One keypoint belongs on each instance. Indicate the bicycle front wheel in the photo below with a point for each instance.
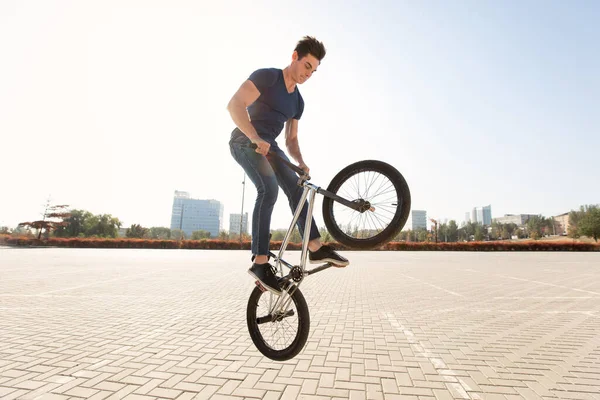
(279, 333)
(384, 188)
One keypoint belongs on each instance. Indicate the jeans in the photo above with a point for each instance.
(267, 175)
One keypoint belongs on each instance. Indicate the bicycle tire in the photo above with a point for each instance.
(400, 213)
(303, 326)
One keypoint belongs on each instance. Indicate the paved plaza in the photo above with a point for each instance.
(171, 324)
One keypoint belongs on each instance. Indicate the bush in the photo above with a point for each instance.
(217, 244)
(529, 245)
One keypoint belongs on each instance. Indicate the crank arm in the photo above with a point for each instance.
(270, 318)
(317, 269)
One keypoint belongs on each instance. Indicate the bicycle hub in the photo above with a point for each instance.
(363, 205)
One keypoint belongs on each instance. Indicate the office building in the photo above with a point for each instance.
(234, 224)
(487, 215)
(418, 219)
(480, 215)
(192, 215)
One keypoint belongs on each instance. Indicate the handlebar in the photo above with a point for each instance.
(359, 205)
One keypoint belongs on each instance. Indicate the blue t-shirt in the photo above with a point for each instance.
(275, 105)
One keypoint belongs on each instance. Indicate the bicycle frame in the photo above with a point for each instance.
(309, 192)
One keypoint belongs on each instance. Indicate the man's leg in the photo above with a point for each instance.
(261, 174)
(288, 180)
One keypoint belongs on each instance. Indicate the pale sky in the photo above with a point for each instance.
(110, 106)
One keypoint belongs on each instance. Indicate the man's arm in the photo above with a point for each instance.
(245, 96)
(291, 142)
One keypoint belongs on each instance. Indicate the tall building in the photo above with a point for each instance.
(234, 223)
(479, 212)
(481, 215)
(418, 219)
(191, 215)
(487, 215)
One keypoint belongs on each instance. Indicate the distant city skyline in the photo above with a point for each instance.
(423, 217)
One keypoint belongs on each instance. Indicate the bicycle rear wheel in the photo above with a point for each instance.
(386, 190)
(278, 334)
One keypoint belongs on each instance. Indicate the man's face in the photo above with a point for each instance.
(304, 68)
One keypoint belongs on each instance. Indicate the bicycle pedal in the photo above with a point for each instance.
(260, 286)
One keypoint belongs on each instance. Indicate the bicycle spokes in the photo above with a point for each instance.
(278, 327)
(379, 192)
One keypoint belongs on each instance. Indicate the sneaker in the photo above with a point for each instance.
(327, 254)
(265, 274)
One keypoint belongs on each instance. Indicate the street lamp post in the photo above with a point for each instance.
(242, 213)
(181, 220)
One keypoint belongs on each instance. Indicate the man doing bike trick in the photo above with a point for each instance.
(266, 103)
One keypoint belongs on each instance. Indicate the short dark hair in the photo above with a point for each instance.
(310, 45)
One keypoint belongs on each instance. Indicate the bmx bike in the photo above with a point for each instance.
(365, 205)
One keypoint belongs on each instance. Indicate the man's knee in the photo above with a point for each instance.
(268, 193)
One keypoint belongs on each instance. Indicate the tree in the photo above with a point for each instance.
(277, 235)
(136, 231)
(421, 234)
(75, 224)
(589, 222)
(574, 217)
(467, 231)
(295, 236)
(103, 225)
(510, 229)
(405, 235)
(48, 223)
(159, 233)
(535, 226)
(81, 223)
(551, 226)
(452, 231)
(479, 232)
(178, 234)
(325, 235)
(201, 234)
(21, 231)
(443, 233)
(402, 236)
(224, 235)
(470, 229)
(4, 230)
(497, 228)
